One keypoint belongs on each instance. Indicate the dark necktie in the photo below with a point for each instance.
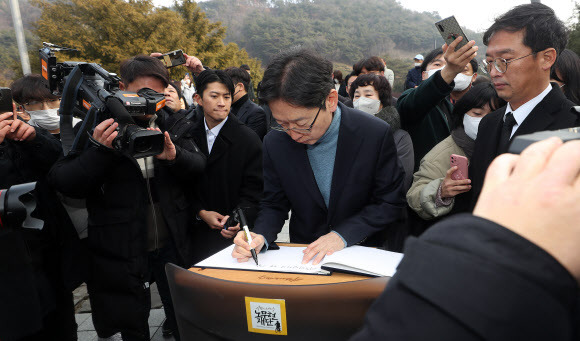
(506, 132)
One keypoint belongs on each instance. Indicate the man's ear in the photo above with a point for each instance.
(548, 58)
(332, 100)
(474, 77)
(198, 99)
(122, 86)
(242, 86)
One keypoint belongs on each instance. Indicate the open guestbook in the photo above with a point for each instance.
(356, 259)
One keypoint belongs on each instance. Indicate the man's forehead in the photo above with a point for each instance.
(505, 42)
(285, 111)
(217, 87)
(438, 59)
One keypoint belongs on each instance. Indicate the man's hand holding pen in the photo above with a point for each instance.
(242, 250)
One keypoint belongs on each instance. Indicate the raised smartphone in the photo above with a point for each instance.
(5, 100)
(462, 166)
(173, 58)
(450, 30)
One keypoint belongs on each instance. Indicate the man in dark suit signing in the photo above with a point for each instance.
(233, 173)
(335, 167)
(248, 112)
(523, 44)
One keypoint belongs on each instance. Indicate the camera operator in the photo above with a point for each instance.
(36, 287)
(139, 212)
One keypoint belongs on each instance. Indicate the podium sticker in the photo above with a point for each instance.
(266, 316)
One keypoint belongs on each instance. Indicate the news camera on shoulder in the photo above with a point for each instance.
(94, 95)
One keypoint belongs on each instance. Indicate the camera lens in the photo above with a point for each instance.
(142, 145)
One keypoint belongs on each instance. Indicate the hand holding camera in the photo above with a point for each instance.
(105, 132)
(175, 58)
(169, 152)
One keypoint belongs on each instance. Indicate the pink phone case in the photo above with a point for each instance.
(462, 166)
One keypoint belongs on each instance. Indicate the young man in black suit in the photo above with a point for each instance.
(245, 110)
(523, 44)
(335, 167)
(233, 174)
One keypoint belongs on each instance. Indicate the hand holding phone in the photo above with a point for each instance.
(450, 30)
(455, 181)
(462, 167)
(173, 58)
(6, 100)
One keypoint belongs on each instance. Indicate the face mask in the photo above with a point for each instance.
(417, 64)
(432, 72)
(470, 125)
(47, 119)
(368, 105)
(461, 82)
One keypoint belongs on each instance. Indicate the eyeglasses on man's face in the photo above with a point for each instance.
(501, 64)
(298, 129)
(53, 103)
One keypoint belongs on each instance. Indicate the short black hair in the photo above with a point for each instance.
(211, 76)
(568, 66)
(32, 87)
(381, 85)
(298, 76)
(177, 86)
(373, 63)
(481, 79)
(431, 56)
(245, 67)
(143, 66)
(239, 75)
(357, 67)
(542, 29)
(474, 65)
(347, 77)
(477, 97)
(337, 75)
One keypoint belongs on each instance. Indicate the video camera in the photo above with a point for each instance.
(522, 142)
(17, 205)
(91, 93)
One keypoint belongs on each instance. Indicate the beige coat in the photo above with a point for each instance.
(426, 181)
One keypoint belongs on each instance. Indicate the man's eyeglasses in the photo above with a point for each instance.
(283, 126)
(38, 105)
(501, 64)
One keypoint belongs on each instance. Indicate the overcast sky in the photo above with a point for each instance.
(473, 14)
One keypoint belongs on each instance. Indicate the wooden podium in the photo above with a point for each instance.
(214, 304)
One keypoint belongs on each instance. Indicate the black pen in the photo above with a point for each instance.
(244, 224)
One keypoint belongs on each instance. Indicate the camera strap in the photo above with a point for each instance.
(67, 134)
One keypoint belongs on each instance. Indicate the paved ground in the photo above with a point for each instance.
(86, 331)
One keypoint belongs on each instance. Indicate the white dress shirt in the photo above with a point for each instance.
(522, 112)
(212, 133)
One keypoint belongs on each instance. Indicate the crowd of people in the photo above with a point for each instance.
(352, 164)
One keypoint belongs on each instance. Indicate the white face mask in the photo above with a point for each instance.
(417, 64)
(47, 119)
(461, 82)
(368, 105)
(470, 125)
(432, 72)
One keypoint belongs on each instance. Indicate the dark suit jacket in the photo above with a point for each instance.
(468, 278)
(254, 117)
(232, 178)
(366, 191)
(553, 112)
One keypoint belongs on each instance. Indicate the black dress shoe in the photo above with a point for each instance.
(166, 328)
